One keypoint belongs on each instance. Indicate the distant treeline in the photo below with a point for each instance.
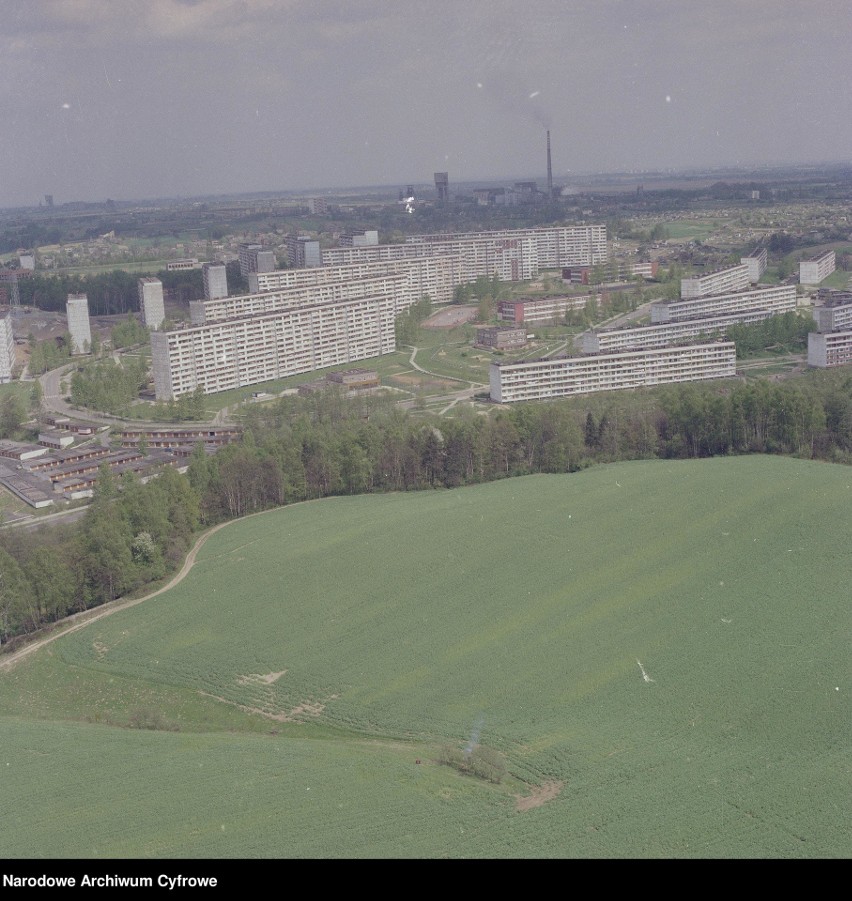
(109, 293)
(296, 449)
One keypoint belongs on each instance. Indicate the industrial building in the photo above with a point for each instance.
(215, 276)
(607, 340)
(826, 349)
(7, 348)
(545, 379)
(151, 302)
(232, 353)
(734, 278)
(540, 309)
(436, 277)
(555, 247)
(756, 262)
(772, 298)
(815, 270)
(77, 309)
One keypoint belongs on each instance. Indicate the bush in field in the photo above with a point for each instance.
(482, 762)
(151, 719)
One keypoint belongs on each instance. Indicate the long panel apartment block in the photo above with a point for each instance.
(557, 246)
(773, 298)
(233, 353)
(545, 379)
(436, 276)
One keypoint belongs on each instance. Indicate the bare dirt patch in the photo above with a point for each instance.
(296, 714)
(257, 679)
(424, 381)
(538, 796)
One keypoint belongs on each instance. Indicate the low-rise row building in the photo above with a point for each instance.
(168, 437)
(562, 377)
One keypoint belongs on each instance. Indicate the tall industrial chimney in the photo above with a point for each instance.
(549, 170)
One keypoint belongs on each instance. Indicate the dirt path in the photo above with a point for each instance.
(87, 617)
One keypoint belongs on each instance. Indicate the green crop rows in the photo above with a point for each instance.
(665, 641)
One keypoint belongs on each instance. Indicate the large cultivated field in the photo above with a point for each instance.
(658, 650)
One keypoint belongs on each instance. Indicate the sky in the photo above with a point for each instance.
(153, 98)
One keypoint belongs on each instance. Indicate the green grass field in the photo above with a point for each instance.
(315, 652)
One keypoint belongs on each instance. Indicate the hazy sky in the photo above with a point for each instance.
(145, 98)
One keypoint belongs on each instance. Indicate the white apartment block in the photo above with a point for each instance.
(812, 272)
(773, 298)
(756, 262)
(391, 287)
(359, 239)
(7, 348)
(719, 282)
(215, 276)
(830, 348)
(545, 379)
(77, 308)
(541, 309)
(435, 276)
(303, 251)
(569, 245)
(253, 258)
(608, 340)
(835, 316)
(234, 353)
(151, 302)
(510, 259)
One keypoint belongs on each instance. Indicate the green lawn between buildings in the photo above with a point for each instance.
(387, 626)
